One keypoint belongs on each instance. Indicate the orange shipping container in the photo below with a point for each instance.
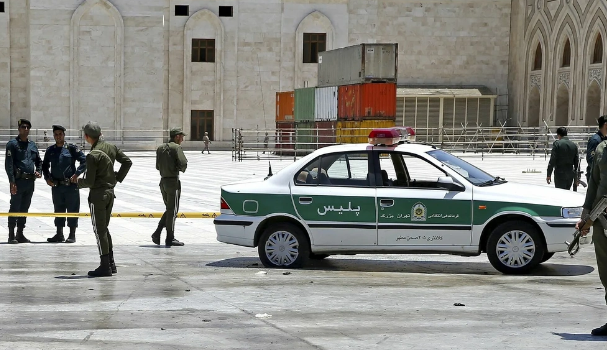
(285, 106)
(367, 101)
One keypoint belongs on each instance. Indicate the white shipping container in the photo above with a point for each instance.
(325, 104)
(358, 64)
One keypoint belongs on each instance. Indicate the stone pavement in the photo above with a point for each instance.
(215, 296)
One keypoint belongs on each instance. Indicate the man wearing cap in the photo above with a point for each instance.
(594, 141)
(23, 166)
(58, 167)
(101, 179)
(170, 160)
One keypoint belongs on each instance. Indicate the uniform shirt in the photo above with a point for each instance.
(206, 139)
(21, 155)
(564, 157)
(170, 160)
(62, 162)
(100, 166)
(593, 142)
(597, 184)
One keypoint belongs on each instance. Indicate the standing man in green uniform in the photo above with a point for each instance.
(23, 166)
(101, 179)
(170, 160)
(597, 188)
(564, 161)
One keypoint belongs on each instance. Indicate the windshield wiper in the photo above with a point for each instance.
(496, 180)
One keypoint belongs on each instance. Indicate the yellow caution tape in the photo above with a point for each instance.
(192, 215)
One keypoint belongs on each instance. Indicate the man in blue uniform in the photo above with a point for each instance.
(23, 166)
(594, 141)
(61, 159)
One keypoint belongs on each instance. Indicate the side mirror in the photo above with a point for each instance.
(448, 183)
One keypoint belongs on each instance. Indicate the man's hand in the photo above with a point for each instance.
(38, 175)
(50, 182)
(548, 180)
(581, 224)
(13, 188)
(74, 179)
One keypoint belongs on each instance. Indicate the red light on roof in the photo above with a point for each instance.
(386, 137)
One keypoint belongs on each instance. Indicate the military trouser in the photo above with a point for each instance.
(101, 202)
(20, 202)
(66, 199)
(171, 191)
(563, 180)
(600, 248)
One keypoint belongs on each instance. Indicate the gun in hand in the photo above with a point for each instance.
(584, 226)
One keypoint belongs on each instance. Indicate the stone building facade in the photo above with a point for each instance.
(558, 64)
(136, 64)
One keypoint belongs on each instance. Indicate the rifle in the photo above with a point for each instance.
(597, 213)
(578, 176)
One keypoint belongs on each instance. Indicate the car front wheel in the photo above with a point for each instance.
(515, 248)
(283, 245)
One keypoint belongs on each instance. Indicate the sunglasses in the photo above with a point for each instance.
(25, 127)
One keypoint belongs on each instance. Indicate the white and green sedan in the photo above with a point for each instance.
(404, 198)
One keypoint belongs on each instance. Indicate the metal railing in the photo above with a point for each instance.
(251, 144)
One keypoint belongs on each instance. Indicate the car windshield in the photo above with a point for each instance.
(473, 174)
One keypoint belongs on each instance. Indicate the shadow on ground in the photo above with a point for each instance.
(580, 337)
(426, 267)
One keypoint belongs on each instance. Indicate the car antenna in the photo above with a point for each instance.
(270, 171)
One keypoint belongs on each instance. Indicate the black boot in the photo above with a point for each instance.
(20, 237)
(58, 237)
(104, 269)
(72, 236)
(156, 234)
(112, 263)
(173, 242)
(11, 235)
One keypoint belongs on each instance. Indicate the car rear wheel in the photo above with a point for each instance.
(283, 245)
(515, 248)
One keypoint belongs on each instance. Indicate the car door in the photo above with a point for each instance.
(335, 196)
(414, 210)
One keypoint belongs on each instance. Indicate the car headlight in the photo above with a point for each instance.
(572, 212)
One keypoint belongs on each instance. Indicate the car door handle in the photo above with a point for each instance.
(386, 203)
(305, 200)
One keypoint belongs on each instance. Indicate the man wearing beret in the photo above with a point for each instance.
(170, 160)
(101, 179)
(58, 167)
(23, 166)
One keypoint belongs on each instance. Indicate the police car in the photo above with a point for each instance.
(393, 196)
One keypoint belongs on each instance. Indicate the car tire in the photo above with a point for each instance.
(318, 256)
(274, 244)
(547, 256)
(515, 248)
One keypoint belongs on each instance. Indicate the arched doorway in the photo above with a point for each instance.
(533, 111)
(593, 104)
(562, 106)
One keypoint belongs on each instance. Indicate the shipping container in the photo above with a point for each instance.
(325, 133)
(304, 104)
(325, 104)
(367, 101)
(358, 131)
(285, 135)
(358, 64)
(306, 135)
(285, 106)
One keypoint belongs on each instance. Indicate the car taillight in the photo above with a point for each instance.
(224, 204)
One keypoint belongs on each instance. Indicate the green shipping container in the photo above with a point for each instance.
(305, 135)
(305, 104)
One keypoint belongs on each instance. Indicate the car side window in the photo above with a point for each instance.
(308, 175)
(349, 169)
(421, 173)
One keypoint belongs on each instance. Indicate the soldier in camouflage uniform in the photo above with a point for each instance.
(101, 179)
(170, 160)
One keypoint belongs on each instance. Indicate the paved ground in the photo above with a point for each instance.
(215, 296)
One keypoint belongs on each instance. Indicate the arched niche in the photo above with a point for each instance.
(95, 50)
(315, 22)
(593, 103)
(562, 106)
(534, 108)
(204, 24)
